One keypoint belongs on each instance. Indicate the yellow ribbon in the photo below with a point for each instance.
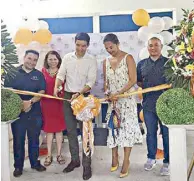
(81, 103)
(88, 138)
(151, 89)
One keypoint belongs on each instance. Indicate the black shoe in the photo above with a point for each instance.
(39, 167)
(87, 173)
(142, 131)
(141, 128)
(17, 172)
(71, 166)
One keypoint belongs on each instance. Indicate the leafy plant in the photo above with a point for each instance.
(8, 54)
(175, 106)
(178, 69)
(11, 104)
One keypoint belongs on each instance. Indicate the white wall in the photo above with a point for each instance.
(66, 7)
(13, 10)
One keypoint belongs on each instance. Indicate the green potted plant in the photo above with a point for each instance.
(175, 107)
(11, 103)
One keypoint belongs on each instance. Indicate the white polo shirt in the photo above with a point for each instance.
(77, 72)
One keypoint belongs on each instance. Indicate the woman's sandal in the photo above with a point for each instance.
(48, 161)
(60, 159)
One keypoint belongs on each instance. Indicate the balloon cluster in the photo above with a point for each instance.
(150, 26)
(33, 30)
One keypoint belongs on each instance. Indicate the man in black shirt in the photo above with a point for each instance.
(30, 120)
(150, 73)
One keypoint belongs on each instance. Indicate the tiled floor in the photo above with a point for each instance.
(101, 164)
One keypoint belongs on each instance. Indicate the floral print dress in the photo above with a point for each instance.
(129, 132)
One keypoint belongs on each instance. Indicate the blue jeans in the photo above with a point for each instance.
(151, 122)
(19, 129)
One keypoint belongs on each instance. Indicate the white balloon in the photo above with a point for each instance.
(167, 36)
(46, 47)
(143, 33)
(33, 24)
(156, 35)
(20, 46)
(43, 25)
(165, 50)
(156, 24)
(168, 22)
(34, 46)
(143, 53)
(21, 50)
(23, 25)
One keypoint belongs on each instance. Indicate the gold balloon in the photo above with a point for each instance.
(141, 17)
(141, 115)
(23, 36)
(42, 36)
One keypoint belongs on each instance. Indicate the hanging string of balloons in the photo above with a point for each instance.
(155, 25)
(33, 30)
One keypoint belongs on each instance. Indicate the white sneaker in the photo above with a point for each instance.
(164, 171)
(150, 164)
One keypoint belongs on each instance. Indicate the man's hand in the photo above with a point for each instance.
(26, 106)
(57, 91)
(74, 96)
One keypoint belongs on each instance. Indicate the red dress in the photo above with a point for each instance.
(52, 110)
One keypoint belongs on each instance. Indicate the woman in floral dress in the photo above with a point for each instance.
(120, 77)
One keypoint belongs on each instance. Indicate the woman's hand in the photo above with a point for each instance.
(113, 97)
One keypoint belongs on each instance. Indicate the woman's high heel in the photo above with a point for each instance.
(122, 175)
(112, 169)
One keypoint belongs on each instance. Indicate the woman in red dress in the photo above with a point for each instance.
(52, 110)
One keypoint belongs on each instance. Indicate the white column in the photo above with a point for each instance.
(96, 24)
(5, 164)
(178, 154)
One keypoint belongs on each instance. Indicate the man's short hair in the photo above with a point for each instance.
(32, 51)
(156, 37)
(83, 36)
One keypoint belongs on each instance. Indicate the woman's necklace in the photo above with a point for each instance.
(52, 73)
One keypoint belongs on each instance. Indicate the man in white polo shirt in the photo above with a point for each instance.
(78, 70)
